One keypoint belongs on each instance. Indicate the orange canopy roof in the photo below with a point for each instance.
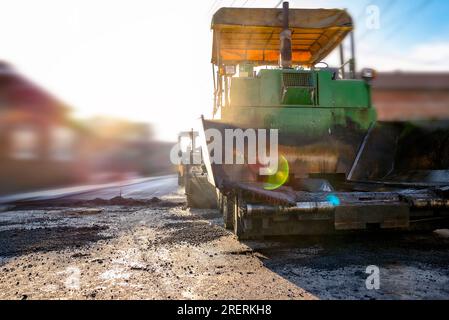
(252, 34)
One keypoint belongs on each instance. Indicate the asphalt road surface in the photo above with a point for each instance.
(141, 188)
(163, 250)
(147, 189)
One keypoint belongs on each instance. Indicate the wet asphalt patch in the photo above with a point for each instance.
(189, 232)
(23, 241)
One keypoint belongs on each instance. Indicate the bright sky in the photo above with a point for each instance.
(150, 60)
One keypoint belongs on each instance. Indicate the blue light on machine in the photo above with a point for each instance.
(333, 199)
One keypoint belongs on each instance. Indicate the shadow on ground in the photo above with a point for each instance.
(411, 265)
(335, 267)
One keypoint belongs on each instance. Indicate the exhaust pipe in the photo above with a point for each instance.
(286, 40)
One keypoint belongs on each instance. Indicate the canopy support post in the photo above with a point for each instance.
(286, 39)
(352, 64)
(342, 61)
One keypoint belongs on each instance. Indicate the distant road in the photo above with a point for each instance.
(144, 188)
(155, 187)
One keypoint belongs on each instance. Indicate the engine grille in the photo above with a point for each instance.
(297, 80)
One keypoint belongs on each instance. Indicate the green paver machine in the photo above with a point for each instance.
(338, 168)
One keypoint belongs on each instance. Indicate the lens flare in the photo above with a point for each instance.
(278, 179)
(333, 199)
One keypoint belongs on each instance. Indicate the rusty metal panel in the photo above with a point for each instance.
(387, 216)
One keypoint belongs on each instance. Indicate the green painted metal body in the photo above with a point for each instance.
(323, 103)
(321, 121)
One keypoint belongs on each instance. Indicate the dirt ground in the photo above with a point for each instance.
(162, 250)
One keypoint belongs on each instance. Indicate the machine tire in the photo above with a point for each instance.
(181, 181)
(228, 212)
(220, 202)
(239, 211)
(191, 203)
